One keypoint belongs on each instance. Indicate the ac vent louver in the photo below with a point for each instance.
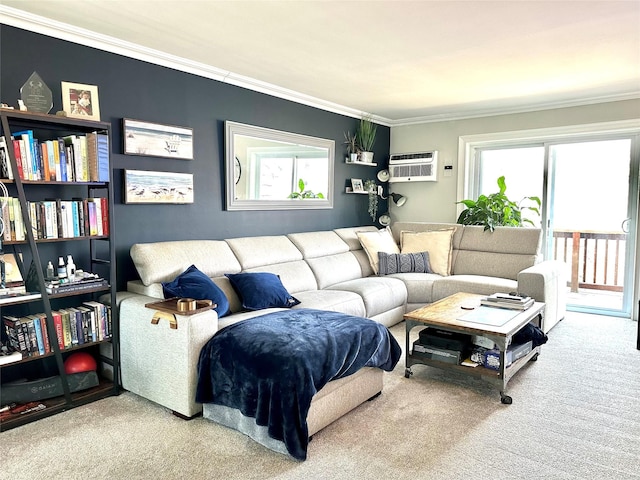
(413, 167)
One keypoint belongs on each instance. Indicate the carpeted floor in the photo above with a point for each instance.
(575, 415)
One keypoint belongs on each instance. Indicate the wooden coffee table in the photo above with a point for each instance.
(446, 315)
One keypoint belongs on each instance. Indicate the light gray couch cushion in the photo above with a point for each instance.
(333, 300)
(334, 269)
(277, 255)
(295, 276)
(163, 261)
(379, 294)
(501, 265)
(318, 244)
(350, 235)
(419, 286)
(478, 284)
(259, 251)
(501, 253)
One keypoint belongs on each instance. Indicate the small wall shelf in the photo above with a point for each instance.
(350, 190)
(368, 164)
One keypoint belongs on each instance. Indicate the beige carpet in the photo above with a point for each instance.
(575, 415)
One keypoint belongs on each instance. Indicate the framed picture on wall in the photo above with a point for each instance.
(80, 101)
(142, 186)
(156, 140)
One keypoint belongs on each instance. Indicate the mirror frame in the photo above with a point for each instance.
(234, 128)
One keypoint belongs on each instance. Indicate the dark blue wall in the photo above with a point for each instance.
(129, 88)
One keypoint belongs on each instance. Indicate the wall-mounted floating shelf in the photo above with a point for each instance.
(350, 190)
(368, 164)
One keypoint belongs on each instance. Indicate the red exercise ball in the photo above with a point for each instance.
(80, 362)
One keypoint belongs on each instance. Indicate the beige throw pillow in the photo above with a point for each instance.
(379, 241)
(439, 244)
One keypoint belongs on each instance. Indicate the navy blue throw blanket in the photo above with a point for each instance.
(270, 367)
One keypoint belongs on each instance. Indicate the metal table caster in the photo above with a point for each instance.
(505, 399)
(407, 372)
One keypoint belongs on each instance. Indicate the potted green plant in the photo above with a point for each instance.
(366, 137)
(302, 193)
(497, 210)
(372, 190)
(351, 141)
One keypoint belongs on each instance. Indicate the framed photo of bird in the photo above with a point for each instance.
(141, 186)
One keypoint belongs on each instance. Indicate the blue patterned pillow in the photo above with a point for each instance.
(192, 283)
(403, 263)
(259, 290)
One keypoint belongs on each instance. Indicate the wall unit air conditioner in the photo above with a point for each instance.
(413, 167)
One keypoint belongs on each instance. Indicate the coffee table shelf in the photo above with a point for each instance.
(445, 315)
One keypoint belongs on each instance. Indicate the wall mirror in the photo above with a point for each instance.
(273, 170)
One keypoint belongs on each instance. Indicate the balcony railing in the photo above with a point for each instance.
(595, 259)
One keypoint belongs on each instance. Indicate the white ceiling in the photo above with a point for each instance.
(402, 61)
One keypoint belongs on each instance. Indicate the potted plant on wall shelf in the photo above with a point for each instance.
(351, 141)
(496, 210)
(366, 136)
(372, 190)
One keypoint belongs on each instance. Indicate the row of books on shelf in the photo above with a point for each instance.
(506, 300)
(86, 323)
(57, 218)
(73, 158)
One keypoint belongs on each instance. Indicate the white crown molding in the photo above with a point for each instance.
(26, 21)
(52, 28)
(491, 112)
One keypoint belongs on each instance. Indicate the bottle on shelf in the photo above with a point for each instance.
(71, 269)
(50, 272)
(62, 269)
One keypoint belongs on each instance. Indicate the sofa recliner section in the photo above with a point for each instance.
(325, 270)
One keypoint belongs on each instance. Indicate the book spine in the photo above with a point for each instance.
(39, 337)
(79, 327)
(74, 326)
(7, 171)
(103, 157)
(50, 165)
(93, 219)
(45, 333)
(39, 168)
(62, 153)
(57, 323)
(7, 223)
(104, 208)
(19, 222)
(31, 335)
(98, 209)
(14, 332)
(17, 153)
(66, 328)
(75, 218)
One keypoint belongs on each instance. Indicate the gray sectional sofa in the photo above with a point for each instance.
(324, 270)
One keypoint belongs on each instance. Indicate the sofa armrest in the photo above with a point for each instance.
(546, 282)
(158, 362)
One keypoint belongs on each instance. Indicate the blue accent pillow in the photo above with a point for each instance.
(192, 283)
(259, 290)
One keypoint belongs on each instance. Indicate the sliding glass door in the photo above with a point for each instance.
(589, 190)
(589, 221)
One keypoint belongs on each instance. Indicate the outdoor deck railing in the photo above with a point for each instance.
(595, 259)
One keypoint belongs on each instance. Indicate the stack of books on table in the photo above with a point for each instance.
(505, 300)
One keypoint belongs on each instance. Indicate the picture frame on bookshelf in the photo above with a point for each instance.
(141, 186)
(157, 140)
(80, 101)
